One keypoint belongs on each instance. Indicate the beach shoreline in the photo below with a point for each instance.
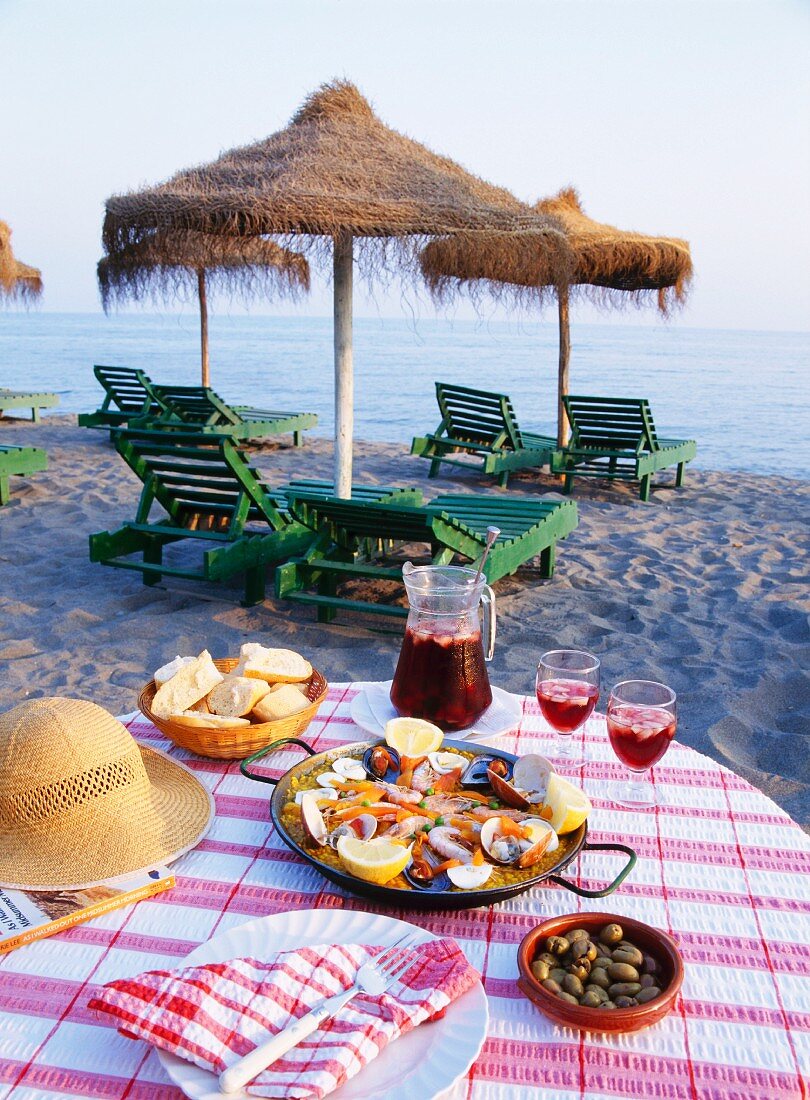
(704, 587)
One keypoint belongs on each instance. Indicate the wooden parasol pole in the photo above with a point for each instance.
(206, 374)
(565, 357)
(344, 370)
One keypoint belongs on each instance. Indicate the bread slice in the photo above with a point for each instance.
(275, 666)
(208, 721)
(280, 703)
(166, 672)
(236, 696)
(187, 687)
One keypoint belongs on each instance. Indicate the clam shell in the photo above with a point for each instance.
(349, 768)
(531, 775)
(543, 838)
(312, 820)
(490, 832)
(506, 792)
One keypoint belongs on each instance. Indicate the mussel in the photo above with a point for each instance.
(507, 843)
(477, 773)
(382, 763)
(419, 873)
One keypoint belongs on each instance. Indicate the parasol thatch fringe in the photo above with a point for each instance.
(615, 267)
(166, 265)
(608, 266)
(335, 168)
(18, 281)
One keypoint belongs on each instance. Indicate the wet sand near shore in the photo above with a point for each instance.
(704, 587)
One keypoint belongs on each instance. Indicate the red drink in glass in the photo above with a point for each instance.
(441, 677)
(640, 735)
(566, 704)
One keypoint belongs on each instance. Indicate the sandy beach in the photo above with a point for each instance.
(704, 588)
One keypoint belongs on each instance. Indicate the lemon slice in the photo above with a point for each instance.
(569, 805)
(412, 736)
(377, 860)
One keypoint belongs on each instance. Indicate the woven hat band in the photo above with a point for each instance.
(52, 799)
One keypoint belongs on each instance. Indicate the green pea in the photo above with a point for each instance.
(494, 804)
(366, 803)
(430, 791)
(422, 804)
(439, 820)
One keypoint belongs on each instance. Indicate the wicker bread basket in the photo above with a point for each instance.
(241, 741)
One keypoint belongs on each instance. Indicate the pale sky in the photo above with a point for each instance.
(687, 118)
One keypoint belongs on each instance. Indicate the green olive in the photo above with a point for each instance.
(576, 934)
(540, 970)
(648, 994)
(602, 960)
(551, 985)
(611, 934)
(581, 969)
(623, 972)
(557, 973)
(625, 1002)
(591, 1000)
(608, 1004)
(650, 965)
(571, 984)
(556, 945)
(626, 953)
(624, 989)
(584, 948)
(596, 991)
(599, 977)
(563, 996)
(547, 957)
(646, 980)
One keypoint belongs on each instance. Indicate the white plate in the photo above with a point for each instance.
(420, 1065)
(372, 708)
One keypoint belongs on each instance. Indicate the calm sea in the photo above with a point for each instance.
(742, 395)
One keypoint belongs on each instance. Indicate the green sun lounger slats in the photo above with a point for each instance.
(615, 438)
(200, 408)
(127, 396)
(352, 537)
(17, 462)
(481, 423)
(207, 491)
(25, 399)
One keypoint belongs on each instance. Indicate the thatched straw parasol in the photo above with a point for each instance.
(18, 281)
(167, 264)
(610, 266)
(335, 173)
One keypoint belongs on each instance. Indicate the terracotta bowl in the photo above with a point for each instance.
(649, 940)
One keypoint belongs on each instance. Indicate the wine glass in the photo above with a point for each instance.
(641, 721)
(567, 688)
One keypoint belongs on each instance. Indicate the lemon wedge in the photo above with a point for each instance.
(569, 805)
(377, 860)
(412, 736)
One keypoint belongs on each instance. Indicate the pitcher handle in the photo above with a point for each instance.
(489, 622)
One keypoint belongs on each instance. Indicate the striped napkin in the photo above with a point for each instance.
(213, 1015)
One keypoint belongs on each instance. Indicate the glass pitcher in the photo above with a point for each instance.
(441, 674)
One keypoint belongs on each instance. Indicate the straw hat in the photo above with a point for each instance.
(81, 801)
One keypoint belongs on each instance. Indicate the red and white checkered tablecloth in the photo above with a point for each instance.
(720, 866)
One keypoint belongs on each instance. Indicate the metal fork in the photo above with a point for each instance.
(373, 977)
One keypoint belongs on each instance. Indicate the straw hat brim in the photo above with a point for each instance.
(173, 820)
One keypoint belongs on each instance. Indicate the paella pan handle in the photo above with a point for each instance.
(274, 746)
(618, 880)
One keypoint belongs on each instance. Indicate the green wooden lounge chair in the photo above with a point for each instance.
(615, 438)
(200, 408)
(19, 460)
(209, 493)
(22, 399)
(482, 424)
(451, 524)
(127, 396)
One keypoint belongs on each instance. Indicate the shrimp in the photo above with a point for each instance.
(483, 813)
(448, 843)
(445, 804)
(406, 827)
(402, 796)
